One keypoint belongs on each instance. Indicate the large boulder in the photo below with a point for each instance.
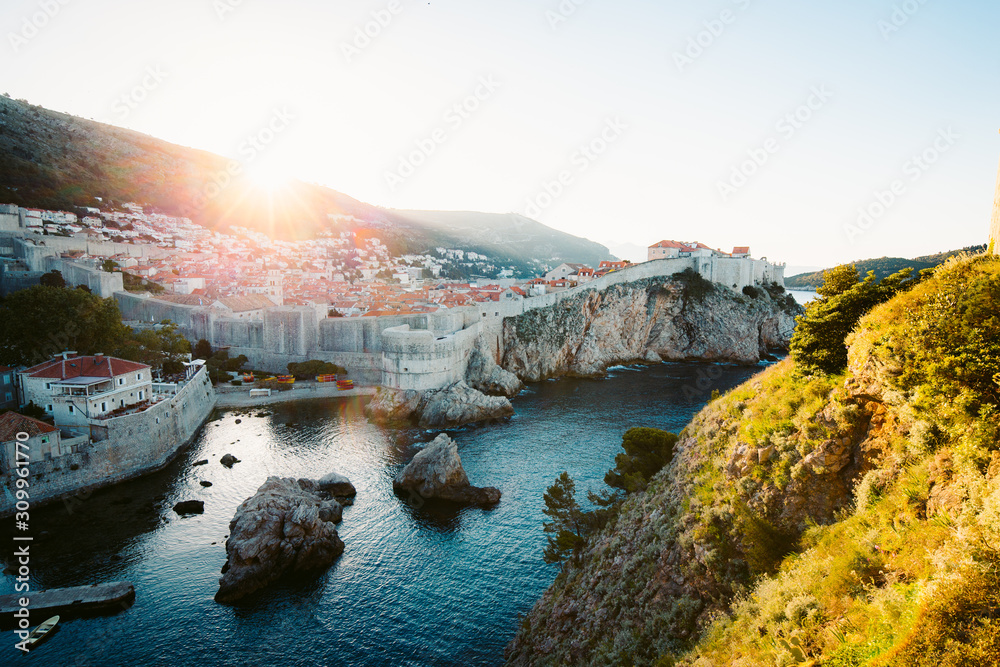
(460, 404)
(336, 485)
(456, 405)
(392, 406)
(436, 472)
(286, 527)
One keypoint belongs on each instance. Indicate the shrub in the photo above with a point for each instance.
(647, 450)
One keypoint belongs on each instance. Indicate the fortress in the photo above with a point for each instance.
(428, 351)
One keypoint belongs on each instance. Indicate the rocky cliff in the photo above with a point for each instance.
(678, 318)
(836, 520)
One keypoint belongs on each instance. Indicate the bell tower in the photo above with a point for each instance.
(276, 287)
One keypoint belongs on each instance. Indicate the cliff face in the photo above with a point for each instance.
(842, 520)
(671, 319)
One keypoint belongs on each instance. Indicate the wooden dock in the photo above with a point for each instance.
(70, 602)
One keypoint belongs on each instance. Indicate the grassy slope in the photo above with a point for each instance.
(881, 486)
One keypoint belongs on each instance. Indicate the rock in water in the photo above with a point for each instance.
(461, 404)
(286, 527)
(453, 406)
(336, 484)
(229, 460)
(190, 507)
(436, 472)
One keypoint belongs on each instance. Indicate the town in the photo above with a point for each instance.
(347, 274)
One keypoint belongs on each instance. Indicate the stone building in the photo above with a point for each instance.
(74, 390)
(42, 440)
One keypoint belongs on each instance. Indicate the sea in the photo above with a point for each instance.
(429, 585)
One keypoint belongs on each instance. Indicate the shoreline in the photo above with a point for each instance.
(241, 399)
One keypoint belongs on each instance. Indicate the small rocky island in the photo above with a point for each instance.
(436, 472)
(287, 527)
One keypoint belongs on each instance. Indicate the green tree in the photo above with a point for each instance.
(568, 523)
(202, 349)
(109, 265)
(647, 450)
(41, 321)
(818, 345)
(838, 280)
(52, 279)
(158, 347)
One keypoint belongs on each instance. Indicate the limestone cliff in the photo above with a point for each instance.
(806, 520)
(678, 318)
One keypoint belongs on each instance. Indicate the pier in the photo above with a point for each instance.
(69, 602)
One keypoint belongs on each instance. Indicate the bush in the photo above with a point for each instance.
(696, 288)
(307, 370)
(647, 450)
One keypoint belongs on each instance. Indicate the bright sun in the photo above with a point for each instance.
(267, 175)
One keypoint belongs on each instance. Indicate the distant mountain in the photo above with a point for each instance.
(58, 161)
(883, 266)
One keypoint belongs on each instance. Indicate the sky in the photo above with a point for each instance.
(814, 132)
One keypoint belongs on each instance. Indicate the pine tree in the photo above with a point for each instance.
(567, 523)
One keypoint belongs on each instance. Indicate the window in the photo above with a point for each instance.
(48, 408)
(104, 406)
(9, 397)
(140, 395)
(138, 376)
(121, 381)
(48, 385)
(72, 409)
(45, 440)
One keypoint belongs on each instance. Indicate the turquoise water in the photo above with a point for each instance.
(434, 585)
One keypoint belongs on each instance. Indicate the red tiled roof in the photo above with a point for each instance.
(741, 250)
(12, 423)
(64, 369)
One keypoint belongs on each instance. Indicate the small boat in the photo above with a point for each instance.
(41, 632)
(326, 378)
(345, 384)
(248, 378)
(286, 379)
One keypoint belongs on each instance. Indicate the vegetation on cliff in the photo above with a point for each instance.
(814, 518)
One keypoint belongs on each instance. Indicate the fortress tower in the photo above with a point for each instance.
(995, 224)
(276, 287)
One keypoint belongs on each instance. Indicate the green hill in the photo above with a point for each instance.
(57, 161)
(841, 520)
(883, 266)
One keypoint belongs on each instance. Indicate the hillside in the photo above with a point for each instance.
(882, 266)
(842, 520)
(54, 160)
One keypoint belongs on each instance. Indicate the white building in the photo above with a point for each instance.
(564, 271)
(74, 389)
